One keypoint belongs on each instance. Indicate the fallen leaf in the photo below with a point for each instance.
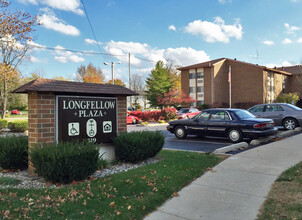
(129, 207)
(84, 203)
(175, 194)
(111, 204)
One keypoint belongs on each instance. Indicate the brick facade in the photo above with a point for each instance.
(122, 114)
(41, 118)
(249, 82)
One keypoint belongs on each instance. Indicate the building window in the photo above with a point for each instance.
(199, 75)
(192, 89)
(200, 95)
(270, 87)
(192, 76)
(200, 81)
(200, 89)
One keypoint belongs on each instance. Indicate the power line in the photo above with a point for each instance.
(93, 33)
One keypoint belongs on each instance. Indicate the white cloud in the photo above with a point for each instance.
(36, 46)
(299, 40)
(34, 59)
(143, 54)
(144, 57)
(91, 41)
(224, 1)
(50, 21)
(64, 56)
(283, 63)
(172, 27)
(287, 41)
(215, 31)
(185, 56)
(268, 42)
(291, 29)
(66, 5)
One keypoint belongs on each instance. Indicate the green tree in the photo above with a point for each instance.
(159, 82)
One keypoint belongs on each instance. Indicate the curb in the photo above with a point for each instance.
(150, 125)
(231, 147)
(286, 133)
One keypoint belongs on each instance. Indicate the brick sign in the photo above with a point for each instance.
(86, 118)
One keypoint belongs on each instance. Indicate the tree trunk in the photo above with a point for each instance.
(4, 98)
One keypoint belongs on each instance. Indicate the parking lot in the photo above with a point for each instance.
(191, 143)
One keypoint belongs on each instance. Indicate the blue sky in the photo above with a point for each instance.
(186, 32)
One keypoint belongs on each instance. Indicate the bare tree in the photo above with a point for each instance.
(15, 34)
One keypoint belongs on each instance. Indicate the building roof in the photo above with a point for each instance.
(59, 86)
(202, 65)
(213, 62)
(291, 69)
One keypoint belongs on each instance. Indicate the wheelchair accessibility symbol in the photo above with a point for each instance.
(91, 128)
(73, 129)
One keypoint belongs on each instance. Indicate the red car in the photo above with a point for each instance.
(132, 119)
(187, 113)
(15, 112)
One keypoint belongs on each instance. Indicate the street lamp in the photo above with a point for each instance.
(112, 66)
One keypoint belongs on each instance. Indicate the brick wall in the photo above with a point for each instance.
(122, 114)
(247, 83)
(207, 85)
(221, 85)
(41, 118)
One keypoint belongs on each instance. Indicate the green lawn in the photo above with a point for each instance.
(12, 118)
(126, 195)
(285, 198)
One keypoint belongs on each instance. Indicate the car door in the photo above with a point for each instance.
(199, 123)
(275, 112)
(218, 123)
(258, 111)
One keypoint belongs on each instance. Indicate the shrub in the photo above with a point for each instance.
(138, 145)
(18, 126)
(169, 114)
(291, 98)
(204, 106)
(13, 152)
(65, 162)
(3, 124)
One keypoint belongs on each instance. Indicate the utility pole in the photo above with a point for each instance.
(130, 98)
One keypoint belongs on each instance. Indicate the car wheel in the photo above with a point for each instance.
(134, 121)
(180, 132)
(235, 135)
(290, 123)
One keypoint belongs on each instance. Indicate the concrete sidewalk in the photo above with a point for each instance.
(239, 186)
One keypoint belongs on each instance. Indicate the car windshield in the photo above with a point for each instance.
(183, 110)
(293, 107)
(243, 114)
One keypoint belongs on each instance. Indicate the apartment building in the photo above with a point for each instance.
(224, 81)
(293, 83)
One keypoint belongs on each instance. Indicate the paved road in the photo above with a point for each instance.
(191, 143)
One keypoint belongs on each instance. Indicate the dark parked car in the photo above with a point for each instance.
(283, 114)
(235, 124)
(187, 113)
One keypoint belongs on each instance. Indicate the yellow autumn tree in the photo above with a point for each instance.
(16, 28)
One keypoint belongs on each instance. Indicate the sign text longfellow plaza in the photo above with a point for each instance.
(86, 118)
